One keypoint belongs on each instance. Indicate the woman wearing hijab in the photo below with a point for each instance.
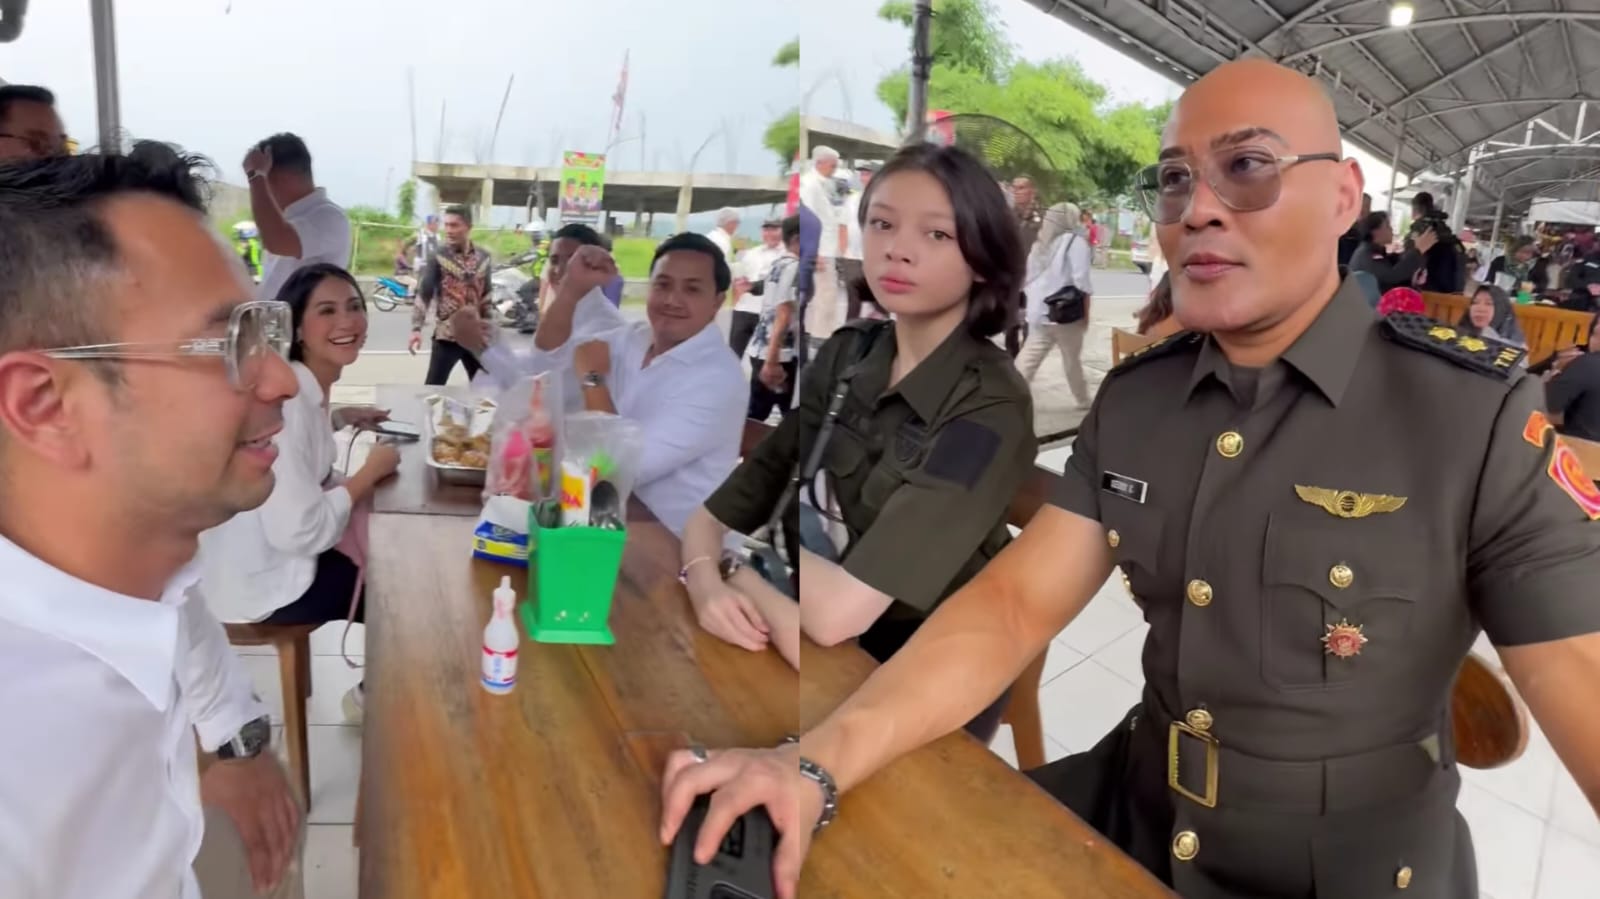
(1490, 314)
(1060, 258)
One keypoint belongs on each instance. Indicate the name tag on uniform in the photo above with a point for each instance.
(1124, 486)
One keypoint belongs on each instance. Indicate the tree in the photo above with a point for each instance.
(783, 135)
(1096, 148)
(408, 200)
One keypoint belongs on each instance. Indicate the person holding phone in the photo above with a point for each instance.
(281, 563)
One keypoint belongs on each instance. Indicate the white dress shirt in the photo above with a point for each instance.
(754, 264)
(504, 364)
(852, 225)
(1066, 261)
(724, 242)
(324, 232)
(99, 790)
(816, 194)
(689, 402)
(262, 560)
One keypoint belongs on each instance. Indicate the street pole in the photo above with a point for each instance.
(107, 101)
(921, 68)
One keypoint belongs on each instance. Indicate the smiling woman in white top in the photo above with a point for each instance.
(278, 564)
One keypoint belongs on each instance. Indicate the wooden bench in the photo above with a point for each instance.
(1548, 329)
(293, 643)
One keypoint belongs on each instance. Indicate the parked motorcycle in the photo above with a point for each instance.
(515, 297)
(392, 293)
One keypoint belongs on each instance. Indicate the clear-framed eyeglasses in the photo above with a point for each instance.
(257, 331)
(1245, 178)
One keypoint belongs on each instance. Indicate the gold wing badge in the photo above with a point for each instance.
(1347, 503)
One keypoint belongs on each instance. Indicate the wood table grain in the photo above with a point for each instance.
(553, 791)
(416, 488)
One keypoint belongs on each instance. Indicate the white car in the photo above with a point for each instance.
(1140, 251)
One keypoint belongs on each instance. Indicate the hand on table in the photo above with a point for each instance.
(383, 460)
(738, 781)
(255, 795)
(363, 418)
(727, 614)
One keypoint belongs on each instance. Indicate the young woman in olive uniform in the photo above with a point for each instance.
(935, 431)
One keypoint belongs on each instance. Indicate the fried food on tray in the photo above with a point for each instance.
(446, 452)
(475, 459)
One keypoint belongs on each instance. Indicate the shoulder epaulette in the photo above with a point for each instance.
(1166, 346)
(1484, 355)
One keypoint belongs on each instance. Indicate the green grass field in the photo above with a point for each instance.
(376, 245)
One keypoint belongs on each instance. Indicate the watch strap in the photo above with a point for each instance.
(830, 791)
(249, 742)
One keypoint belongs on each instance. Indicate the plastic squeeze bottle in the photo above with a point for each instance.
(500, 640)
(542, 443)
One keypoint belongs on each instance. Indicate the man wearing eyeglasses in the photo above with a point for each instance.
(1317, 512)
(29, 125)
(140, 391)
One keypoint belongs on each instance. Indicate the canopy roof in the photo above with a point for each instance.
(1509, 80)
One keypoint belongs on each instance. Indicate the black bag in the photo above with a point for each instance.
(1066, 306)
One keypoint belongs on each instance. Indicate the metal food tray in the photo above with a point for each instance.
(465, 475)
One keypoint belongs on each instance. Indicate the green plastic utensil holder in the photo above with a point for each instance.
(572, 576)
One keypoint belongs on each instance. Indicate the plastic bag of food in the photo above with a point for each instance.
(461, 428)
(599, 467)
(525, 439)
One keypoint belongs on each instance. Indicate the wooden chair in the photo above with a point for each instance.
(293, 643)
(1022, 706)
(1551, 328)
(1444, 307)
(1123, 343)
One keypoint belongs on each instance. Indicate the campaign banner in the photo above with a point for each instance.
(583, 182)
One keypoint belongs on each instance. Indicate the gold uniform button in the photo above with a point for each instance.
(1199, 593)
(1341, 576)
(1199, 719)
(1185, 846)
(1230, 444)
(1402, 878)
(1113, 538)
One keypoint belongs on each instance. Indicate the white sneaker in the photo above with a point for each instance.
(355, 700)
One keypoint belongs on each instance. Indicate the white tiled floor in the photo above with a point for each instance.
(1536, 835)
(331, 861)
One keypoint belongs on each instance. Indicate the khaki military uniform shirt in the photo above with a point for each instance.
(1316, 544)
(923, 472)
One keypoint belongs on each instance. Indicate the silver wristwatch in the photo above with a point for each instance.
(830, 791)
(249, 741)
(594, 379)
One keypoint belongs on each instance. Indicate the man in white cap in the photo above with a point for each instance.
(820, 193)
(722, 234)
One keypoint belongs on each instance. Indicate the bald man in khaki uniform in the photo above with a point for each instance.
(1318, 513)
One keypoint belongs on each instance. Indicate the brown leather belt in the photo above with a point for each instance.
(1203, 770)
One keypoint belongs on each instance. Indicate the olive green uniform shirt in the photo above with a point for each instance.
(923, 472)
(1316, 544)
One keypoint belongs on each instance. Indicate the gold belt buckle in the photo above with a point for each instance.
(1174, 737)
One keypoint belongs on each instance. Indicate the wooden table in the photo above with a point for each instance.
(553, 791)
(416, 488)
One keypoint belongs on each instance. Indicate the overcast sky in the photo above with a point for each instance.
(215, 76)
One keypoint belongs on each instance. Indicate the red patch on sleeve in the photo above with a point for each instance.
(1567, 472)
(1537, 427)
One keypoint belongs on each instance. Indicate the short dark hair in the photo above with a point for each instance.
(1423, 200)
(579, 232)
(289, 153)
(1371, 224)
(460, 210)
(697, 243)
(23, 93)
(986, 230)
(297, 293)
(791, 228)
(55, 248)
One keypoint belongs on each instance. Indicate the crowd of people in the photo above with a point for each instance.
(166, 435)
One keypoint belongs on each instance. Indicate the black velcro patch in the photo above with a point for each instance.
(1484, 355)
(963, 451)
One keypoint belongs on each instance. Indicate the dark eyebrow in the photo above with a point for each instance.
(1232, 138)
